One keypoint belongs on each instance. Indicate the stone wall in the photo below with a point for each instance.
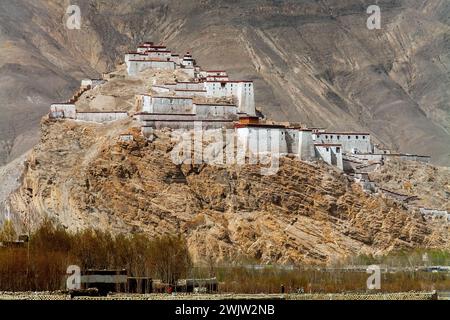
(61, 110)
(136, 66)
(331, 154)
(262, 140)
(185, 124)
(351, 142)
(213, 111)
(190, 93)
(171, 105)
(242, 91)
(101, 117)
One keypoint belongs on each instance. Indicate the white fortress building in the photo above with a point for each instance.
(351, 142)
(214, 101)
(151, 56)
(209, 84)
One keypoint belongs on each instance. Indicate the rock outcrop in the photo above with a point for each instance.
(81, 175)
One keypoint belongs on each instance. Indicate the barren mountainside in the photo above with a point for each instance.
(312, 61)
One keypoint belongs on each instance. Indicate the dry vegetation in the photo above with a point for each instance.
(41, 265)
(310, 280)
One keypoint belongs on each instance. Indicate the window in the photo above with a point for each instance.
(357, 137)
(338, 150)
(326, 137)
(328, 149)
(364, 137)
(348, 137)
(338, 137)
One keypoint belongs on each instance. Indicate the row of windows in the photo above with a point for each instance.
(338, 150)
(348, 137)
(231, 84)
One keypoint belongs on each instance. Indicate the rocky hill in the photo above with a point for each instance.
(313, 61)
(430, 184)
(81, 175)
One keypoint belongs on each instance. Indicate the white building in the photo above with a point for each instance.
(136, 66)
(102, 116)
(188, 61)
(300, 143)
(165, 104)
(242, 91)
(215, 111)
(150, 56)
(215, 75)
(63, 111)
(351, 142)
(330, 153)
(181, 112)
(260, 139)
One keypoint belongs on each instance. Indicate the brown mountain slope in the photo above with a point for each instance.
(429, 183)
(80, 175)
(313, 61)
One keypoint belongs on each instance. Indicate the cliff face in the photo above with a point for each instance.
(430, 184)
(81, 176)
(312, 61)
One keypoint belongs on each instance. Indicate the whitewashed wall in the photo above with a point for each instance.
(101, 117)
(160, 89)
(351, 142)
(306, 146)
(160, 55)
(188, 125)
(259, 140)
(332, 155)
(190, 93)
(167, 105)
(65, 110)
(134, 67)
(213, 111)
(243, 92)
(189, 86)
